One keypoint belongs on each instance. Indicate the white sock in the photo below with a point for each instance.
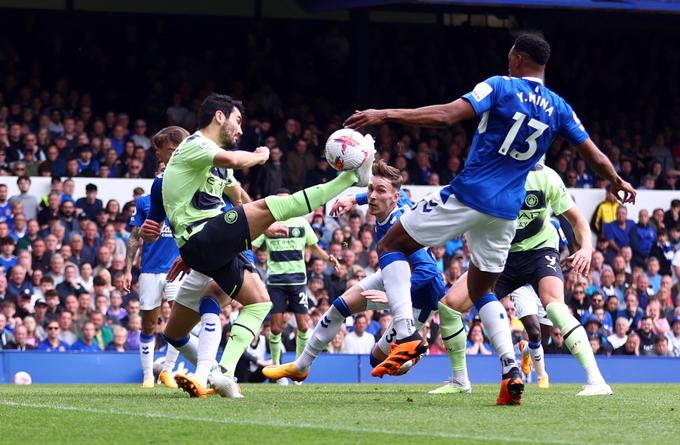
(208, 343)
(537, 358)
(190, 349)
(396, 274)
(383, 344)
(170, 359)
(497, 328)
(147, 344)
(324, 332)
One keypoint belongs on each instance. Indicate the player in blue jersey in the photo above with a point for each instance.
(427, 286)
(519, 119)
(157, 258)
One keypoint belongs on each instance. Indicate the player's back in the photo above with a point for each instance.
(519, 119)
(157, 257)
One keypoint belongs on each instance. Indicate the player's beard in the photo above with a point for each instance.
(228, 136)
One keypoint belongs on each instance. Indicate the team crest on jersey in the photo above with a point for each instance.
(230, 217)
(531, 200)
(295, 232)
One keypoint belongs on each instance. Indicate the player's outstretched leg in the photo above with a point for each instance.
(576, 339)
(453, 333)
(323, 333)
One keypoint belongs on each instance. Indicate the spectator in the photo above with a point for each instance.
(91, 244)
(90, 204)
(661, 347)
(647, 336)
(20, 342)
(28, 201)
(337, 345)
(87, 343)
(605, 212)
(66, 329)
(103, 333)
(359, 341)
(631, 347)
(476, 343)
(671, 217)
(618, 233)
(642, 238)
(632, 312)
(619, 337)
(120, 337)
(7, 258)
(653, 275)
(662, 250)
(659, 324)
(6, 336)
(673, 336)
(578, 303)
(134, 329)
(18, 284)
(52, 343)
(53, 303)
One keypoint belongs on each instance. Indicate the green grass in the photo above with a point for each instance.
(329, 414)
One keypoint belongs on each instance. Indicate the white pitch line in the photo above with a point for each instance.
(279, 424)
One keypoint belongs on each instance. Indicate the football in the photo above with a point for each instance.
(22, 378)
(346, 150)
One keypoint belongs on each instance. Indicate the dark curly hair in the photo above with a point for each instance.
(534, 46)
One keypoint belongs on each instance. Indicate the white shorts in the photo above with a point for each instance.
(527, 303)
(192, 290)
(434, 221)
(151, 287)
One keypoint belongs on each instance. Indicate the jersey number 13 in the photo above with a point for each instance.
(519, 118)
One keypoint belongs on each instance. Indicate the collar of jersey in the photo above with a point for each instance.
(534, 79)
(386, 220)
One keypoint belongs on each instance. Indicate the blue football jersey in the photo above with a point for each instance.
(519, 118)
(157, 257)
(423, 266)
(562, 237)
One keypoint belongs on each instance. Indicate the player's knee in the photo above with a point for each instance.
(533, 332)
(303, 325)
(341, 306)
(209, 305)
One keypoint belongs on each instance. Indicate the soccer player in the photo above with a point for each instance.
(386, 202)
(519, 119)
(211, 240)
(535, 260)
(157, 258)
(287, 278)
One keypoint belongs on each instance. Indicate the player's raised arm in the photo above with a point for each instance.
(240, 159)
(444, 115)
(604, 168)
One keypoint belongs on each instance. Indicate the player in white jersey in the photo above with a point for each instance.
(519, 119)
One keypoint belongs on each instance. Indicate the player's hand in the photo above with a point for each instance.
(580, 261)
(629, 192)
(376, 296)
(127, 281)
(365, 118)
(335, 263)
(264, 151)
(277, 230)
(150, 231)
(342, 206)
(179, 267)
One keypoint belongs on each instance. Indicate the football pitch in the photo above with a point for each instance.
(334, 414)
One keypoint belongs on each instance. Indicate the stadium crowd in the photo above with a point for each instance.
(63, 256)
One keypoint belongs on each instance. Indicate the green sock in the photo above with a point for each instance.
(275, 348)
(453, 333)
(575, 338)
(248, 322)
(307, 200)
(301, 342)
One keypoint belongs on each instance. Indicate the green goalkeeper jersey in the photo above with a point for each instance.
(545, 193)
(286, 256)
(192, 187)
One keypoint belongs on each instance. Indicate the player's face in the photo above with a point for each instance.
(381, 196)
(165, 152)
(230, 129)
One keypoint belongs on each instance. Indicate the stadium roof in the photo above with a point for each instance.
(616, 5)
